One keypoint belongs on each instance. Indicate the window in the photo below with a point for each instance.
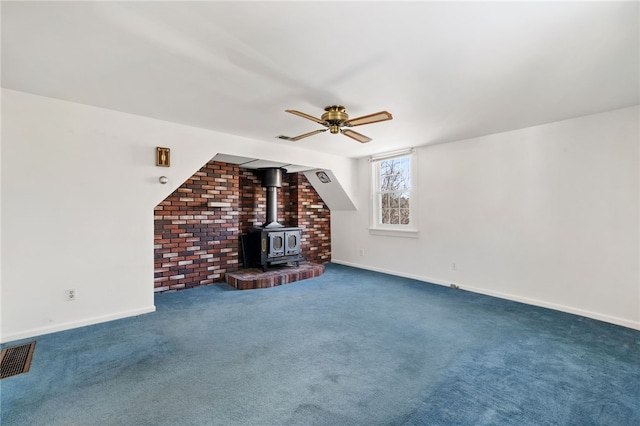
(394, 199)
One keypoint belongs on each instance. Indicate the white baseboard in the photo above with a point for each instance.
(25, 334)
(515, 298)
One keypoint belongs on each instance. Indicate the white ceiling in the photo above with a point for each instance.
(445, 70)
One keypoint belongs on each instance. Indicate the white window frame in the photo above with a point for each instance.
(376, 226)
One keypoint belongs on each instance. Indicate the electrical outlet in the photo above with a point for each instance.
(454, 266)
(361, 252)
(70, 294)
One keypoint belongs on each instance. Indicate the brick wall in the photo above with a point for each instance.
(313, 215)
(253, 201)
(196, 245)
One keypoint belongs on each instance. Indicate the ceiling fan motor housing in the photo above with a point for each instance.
(335, 115)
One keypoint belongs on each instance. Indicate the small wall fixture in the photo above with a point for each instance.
(162, 156)
(163, 179)
(323, 176)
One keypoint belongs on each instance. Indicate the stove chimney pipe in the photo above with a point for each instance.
(272, 180)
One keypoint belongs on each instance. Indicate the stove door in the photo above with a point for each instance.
(292, 242)
(276, 244)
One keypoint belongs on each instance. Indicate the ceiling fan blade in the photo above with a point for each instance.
(355, 135)
(307, 116)
(368, 119)
(297, 138)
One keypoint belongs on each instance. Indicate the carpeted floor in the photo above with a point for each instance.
(351, 347)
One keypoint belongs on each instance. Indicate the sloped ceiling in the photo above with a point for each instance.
(445, 70)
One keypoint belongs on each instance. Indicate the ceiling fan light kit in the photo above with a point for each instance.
(335, 118)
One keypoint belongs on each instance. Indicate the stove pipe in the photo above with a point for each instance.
(272, 180)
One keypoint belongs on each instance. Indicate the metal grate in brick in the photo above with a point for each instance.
(16, 360)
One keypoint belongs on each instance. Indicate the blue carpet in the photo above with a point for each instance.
(351, 347)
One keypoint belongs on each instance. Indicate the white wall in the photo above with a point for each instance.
(547, 215)
(79, 185)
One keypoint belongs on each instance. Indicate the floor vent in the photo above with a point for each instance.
(16, 360)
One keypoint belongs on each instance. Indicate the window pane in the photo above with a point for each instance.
(394, 200)
(385, 216)
(404, 216)
(386, 203)
(403, 169)
(394, 217)
(395, 174)
(404, 200)
(385, 182)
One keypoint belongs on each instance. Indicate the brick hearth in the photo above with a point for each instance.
(252, 278)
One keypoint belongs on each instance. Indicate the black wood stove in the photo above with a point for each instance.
(273, 243)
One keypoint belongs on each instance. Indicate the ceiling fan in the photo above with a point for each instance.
(335, 119)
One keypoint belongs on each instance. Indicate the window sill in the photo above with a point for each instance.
(403, 233)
